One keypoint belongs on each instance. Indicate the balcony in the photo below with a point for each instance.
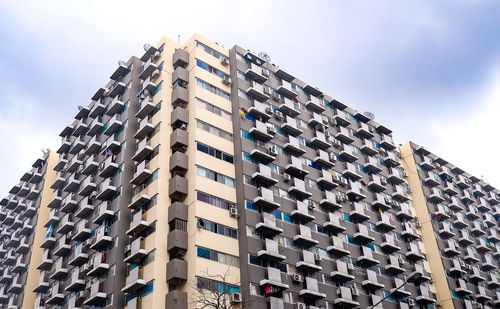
(78, 145)
(116, 106)
(400, 194)
(53, 219)
(176, 271)
(113, 125)
(371, 283)
(88, 186)
(350, 171)
(338, 248)
(23, 246)
(47, 261)
(377, 183)
(144, 149)
(95, 127)
(356, 192)
(97, 108)
(101, 238)
(362, 236)
(286, 89)
(116, 89)
(293, 146)
(396, 176)
(60, 270)
(348, 153)
(103, 212)
(20, 265)
(464, 239)
(344, 297)
(405, 213)
(290, 126)
(106, 189)
(393, 265)
(273, 279)
(389, 245)
(72, 183)
(79, 256)
(265, 199)
(255, 73)
(372, 165)
(180, 76)
(315, 105)
(311, 290)
(96, 296)
(366, 258)
(66, 224)
(135, 280)
(65, 145)
(82, 231)
(146, 107)
(384, 223)
(324, 159)
(268, 226)
(304, 237)
(298, 189)
(77, 281)
(15, 286)
(43, 283)
(333, 224)
(386, 142)
(180, 96)
(271, 251)
(145, 127)
(138, 224)
(108, 167)
(301, 213)
(139, 201)
(344, 135)
(264, 176)
(177, 187)
(257, 91)
(69, 203)
(99, 264)
(414, 253)
(80, 127)
(56, 199)
(358, 213)
(288, 108)
(308, 262)
(136, 250)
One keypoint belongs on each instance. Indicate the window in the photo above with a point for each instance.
(210, 69)
(214, 152)
(213, 200)
(219, 257)
(218, 228)
(221, 93)
(214, 130)
(214, 286)
(158, 88)
(151, 178)
(209, 50)
(213, 109)
(206, 173)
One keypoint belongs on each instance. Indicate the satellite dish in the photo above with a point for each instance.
(200, 223)
(121, 62)
(147, 47)
(369, 115)
(80, 107)
(265, 56)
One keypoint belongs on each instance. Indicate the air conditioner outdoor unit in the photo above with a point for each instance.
(354, 291)
(235, 298)
(300, 306)
(401, 260)
(271, 129)
(383, 181)
(332, 157)
(278, 115)
(286, 177)
(336, 142)
(405, 174)
(226, 80)
(327, 133)
(273, 150)
(317, 257)
(267, 90)
(311, 204)
(224, 61)
(275, 96)
(343, 181)
(296, 278)
(411, 302)
(268, 110)
(128, 248)
(233, 212)
(265, 72)
(350, 266)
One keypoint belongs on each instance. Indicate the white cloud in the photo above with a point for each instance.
(470, 140)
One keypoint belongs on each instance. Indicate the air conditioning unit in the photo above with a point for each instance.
(411, 302)
(233, 212)
(404, 173)
(271, 129)
(268, 110)
(343, 181)
(401, 261)
(317, 257)
(325, 119)
(387, 200)
(462, 263)
(224, 61)
(226, 80)
(332, 157)
(417, 224)
(235, 298)
(383, 181)
(395, 203)
(128, 248)
(335, 142)
(265, 72)
(278, 115)
(300, 306)
(350, 266)
(327, 133)
(286, 177)
(408, 190)
(267, 90)
(296, 278)
(354, 291)
(275, 96)
(311, 204)
(273, 150)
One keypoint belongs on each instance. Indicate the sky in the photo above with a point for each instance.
(429, 70)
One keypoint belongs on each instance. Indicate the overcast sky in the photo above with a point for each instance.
(429, 70)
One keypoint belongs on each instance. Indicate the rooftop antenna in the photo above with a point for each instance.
(369, 115)
(80, 107)
(179, 38)
(147, 47)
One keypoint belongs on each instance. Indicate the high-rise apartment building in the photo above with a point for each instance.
(200, 170)
(23, 215)
(459, 215)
